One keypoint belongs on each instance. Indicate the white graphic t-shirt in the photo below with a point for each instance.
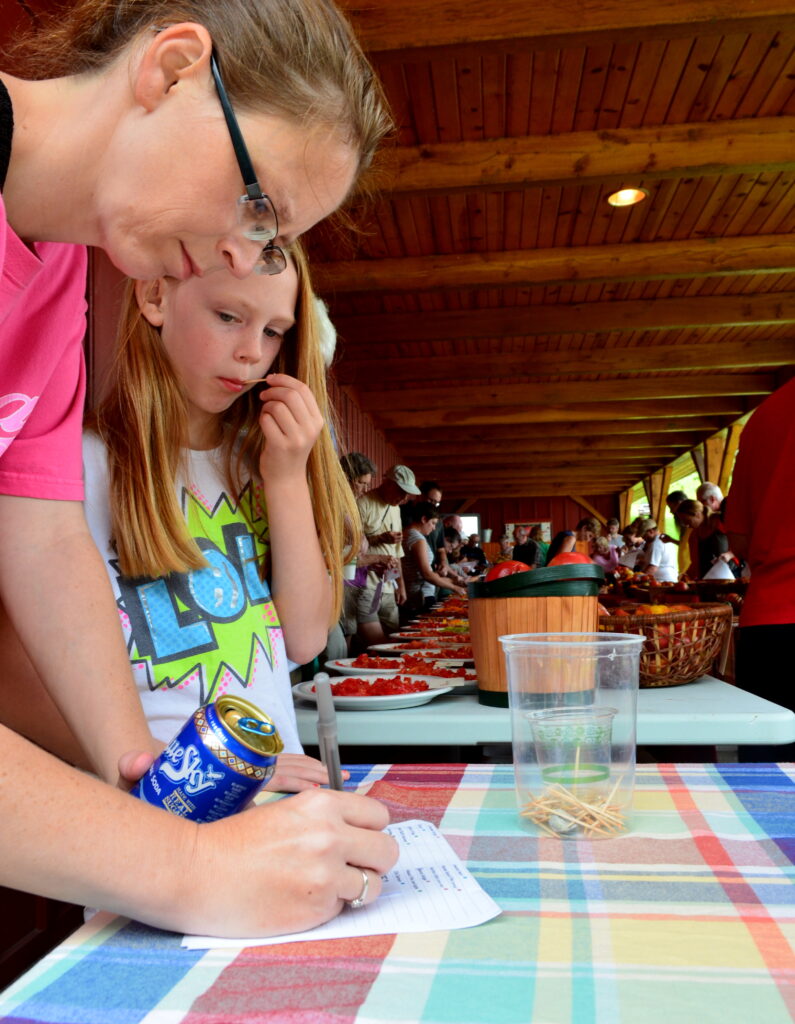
(195, 636)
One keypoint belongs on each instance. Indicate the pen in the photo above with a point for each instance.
(327, 730)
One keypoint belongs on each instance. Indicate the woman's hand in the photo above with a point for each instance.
(296, 863)
(291, 423)
(296, 772)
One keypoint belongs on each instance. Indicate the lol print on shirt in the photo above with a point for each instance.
(195, 636)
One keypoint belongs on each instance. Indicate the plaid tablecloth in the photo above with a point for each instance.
(691, 918)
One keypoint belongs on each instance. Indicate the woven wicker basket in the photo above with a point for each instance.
(680, 646)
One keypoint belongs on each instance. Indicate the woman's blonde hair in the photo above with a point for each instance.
(142, 419)
(691, 507)
(295, 58)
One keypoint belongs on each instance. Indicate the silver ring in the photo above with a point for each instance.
(358, 903)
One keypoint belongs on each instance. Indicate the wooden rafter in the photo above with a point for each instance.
(557, 392)
(629, 315)
(746, 146)
(645, 411)
(647, 261)
(398, 25)
(585, 433)
(482, 362)
(580, 500)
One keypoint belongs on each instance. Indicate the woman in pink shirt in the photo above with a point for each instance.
(124, 137)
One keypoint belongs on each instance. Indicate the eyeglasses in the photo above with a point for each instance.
(255, 210)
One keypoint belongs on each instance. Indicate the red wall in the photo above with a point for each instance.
(356, 432)
(562, 512)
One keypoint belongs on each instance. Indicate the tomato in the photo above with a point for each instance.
(570, 558)
(371, 661)
(496, 572)
(380, 687)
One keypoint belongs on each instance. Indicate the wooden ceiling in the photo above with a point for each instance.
(509, 331)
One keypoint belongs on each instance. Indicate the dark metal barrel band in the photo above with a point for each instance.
(224, 755)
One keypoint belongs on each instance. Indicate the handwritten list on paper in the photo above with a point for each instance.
(429, 889)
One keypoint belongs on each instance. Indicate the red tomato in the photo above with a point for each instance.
(569, 558)
(496, 572)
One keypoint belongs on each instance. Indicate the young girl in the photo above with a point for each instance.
(216, 499)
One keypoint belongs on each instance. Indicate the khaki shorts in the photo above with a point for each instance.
(386, 613)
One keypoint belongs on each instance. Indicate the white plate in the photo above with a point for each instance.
(398, 648)
(448, 639)
(398, 700)
(345, 667)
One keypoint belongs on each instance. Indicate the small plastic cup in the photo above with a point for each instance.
(573, 751)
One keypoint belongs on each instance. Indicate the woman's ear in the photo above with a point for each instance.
(150, 296)
(174, 53)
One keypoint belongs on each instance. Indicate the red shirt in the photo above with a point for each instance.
(761, 505)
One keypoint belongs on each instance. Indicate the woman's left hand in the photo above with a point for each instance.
(291, 423)
(295, 772)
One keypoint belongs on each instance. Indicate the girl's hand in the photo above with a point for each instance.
(295, 772)
(291, 423)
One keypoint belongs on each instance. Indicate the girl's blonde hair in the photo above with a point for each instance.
(142, 419)
(295, 58)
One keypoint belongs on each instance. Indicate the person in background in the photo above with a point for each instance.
(98, 146)
(562, 543)
(537, 536)
(359, 471)
(760, 522)
(529, 553)
(706, 538)
(420, 580)
(604, 554)
(377, 607)
(710, 495)
(473, 552)
(586, 530)
(430, 492)
(632, 547)
(506, 549)
(520, 534)
(657, 559)
(613, 535)
(681, 537)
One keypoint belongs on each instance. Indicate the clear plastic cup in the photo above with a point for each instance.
(573, 685)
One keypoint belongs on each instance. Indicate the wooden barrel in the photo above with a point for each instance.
(529, 604)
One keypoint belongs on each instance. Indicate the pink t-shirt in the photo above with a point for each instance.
(42, 368)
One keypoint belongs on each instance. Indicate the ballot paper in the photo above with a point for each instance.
(428, 890)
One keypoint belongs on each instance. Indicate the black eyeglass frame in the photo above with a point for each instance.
(254, 192)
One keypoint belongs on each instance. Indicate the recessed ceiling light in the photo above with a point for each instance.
(627, 196)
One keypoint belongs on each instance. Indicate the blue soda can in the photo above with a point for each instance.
(213, 767)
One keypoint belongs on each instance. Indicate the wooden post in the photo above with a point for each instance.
(656, 488)
(729, 455)
(714, 458)
(625, 507)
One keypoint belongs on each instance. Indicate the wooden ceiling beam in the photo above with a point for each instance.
(688, 433)
(525, 321)
(542, 450)
(552, 488)
(508, 462)
(744, 146)
(484, 363)
(645, 411)
(392, 26)
(637, 261)
(550, 393)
